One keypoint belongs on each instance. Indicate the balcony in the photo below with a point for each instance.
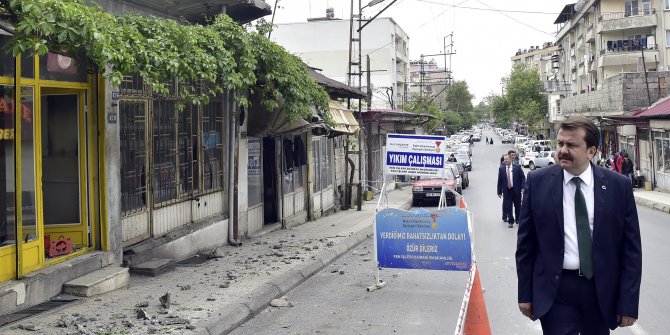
(627, 20)
(627, 52)
(618, 94)
(590, 34)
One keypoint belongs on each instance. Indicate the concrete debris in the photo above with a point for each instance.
(315, 247)
(282, 302)
(232, 275)
(277, 246)
(225, 284)
(174, 321)
(365, 259)
(127, 323)
(141, 314)
(211, 299)
(66, 320)
(330, 244)
(30, 327)
(184, 287)
(218, 252)
(165, 300)
(142, 304)
(152, 330)
(341, 272)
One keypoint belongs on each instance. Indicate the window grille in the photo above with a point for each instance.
(212, 146)
(164, 150)
(132, 116)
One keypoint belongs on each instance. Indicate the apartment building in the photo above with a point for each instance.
(542, 59)
(428, 79)
(612, 60)
(383, 40)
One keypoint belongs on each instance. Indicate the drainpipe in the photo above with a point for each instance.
(232, 188)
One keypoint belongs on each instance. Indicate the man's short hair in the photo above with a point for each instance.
(511, 152)
(592, 136)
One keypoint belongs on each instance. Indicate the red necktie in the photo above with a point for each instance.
(509, 180)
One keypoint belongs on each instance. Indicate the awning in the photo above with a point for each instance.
(344, 119)
(566, 14)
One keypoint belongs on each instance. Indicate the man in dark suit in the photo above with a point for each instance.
(510, 183)
(579, 255)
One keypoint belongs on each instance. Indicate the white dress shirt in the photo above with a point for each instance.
(571, 253)
(509, 174)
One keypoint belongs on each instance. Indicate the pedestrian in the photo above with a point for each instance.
(487, 140)
(619, 160)
(513, 156)
(615, 159)
(611, 162)
(491, 139)
(573, 278)
(510, 184)
(627, 168)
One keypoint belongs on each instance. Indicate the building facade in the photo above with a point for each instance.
(90, 172)
(428, 79)
(383, 40)
(542, 60)
(613, 59)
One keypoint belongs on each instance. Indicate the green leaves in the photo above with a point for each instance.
(222, 55)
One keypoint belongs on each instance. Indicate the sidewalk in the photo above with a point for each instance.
(653, 199)
(217, 296)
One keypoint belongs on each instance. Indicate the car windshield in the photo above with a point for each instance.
(462, 158)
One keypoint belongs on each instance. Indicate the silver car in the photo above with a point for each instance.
(543, 159)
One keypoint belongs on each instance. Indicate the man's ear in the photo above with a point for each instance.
(592, 152)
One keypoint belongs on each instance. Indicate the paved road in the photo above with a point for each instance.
(330, 302)
(495, 245)
(423, 302)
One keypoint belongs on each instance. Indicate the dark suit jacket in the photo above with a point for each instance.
(617, 251)
(518, 179)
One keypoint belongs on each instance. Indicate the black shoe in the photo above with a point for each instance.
(511, 225)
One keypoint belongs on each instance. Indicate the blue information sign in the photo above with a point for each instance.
(423, 239)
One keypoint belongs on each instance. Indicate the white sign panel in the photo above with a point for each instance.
(415, 155)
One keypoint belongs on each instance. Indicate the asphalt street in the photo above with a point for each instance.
(334, 301)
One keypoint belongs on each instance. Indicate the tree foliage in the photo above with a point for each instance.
(459, 101)
(221, 54)
(425, 105)
(523, 101)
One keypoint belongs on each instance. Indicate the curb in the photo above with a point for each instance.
(229, 318)
(652, 204)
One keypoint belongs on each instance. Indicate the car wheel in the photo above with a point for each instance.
(550, 164)
(459, 190)
(531, 165)
(415, 202)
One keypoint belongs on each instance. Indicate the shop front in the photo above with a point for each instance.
(49, 145)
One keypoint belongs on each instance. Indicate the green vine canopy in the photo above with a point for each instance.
(221, 54)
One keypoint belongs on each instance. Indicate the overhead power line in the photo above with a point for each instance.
(490, 9)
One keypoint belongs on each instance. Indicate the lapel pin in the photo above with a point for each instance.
(604, 187)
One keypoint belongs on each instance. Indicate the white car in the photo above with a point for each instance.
(525, 160)
(542, 159)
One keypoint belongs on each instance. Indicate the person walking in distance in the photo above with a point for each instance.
(627, 168)
(510, 183)
(579, 253)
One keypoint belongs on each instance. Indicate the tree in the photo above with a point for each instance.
(524, 95)
(459, 100)
(500, 109)
(425, 105)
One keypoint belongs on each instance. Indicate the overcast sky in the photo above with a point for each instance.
(487, 33)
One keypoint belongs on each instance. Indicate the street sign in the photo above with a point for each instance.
(415, 155)
(423, 239)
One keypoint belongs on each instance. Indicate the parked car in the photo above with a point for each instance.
(476, 138)
(465, 159)
(525, 160)
(459, 178)
(463, 173)
(428, 190)
(506, 139)
(542, 159)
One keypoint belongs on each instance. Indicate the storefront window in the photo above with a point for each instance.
(7, 228)
(58, 67)
(662, 145)
(254, 172)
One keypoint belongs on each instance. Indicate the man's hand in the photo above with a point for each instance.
(526, 309)
(625, 321)
(499, 195)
